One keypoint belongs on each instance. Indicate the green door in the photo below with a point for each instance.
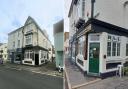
(94, 51)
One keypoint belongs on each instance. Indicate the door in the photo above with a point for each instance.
(12, 57)
(94, 51)
(36, 59)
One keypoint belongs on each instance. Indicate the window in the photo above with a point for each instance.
(42, 54)
(14, 44)
(18, 45)
(94, 37)
(126, 49)
(114, 49)
(28, 39)
(118, 49)
(113, 46)
(81, 45)
(81, 8)
(73, 49)
(109, 49)
(29, 54)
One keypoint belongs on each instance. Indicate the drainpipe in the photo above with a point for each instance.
(76, 45)
(92, 8)
(22, 44)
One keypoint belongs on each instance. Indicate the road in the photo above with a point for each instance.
(20, 79)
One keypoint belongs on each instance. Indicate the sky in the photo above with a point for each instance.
(14, 13)
(67, 4)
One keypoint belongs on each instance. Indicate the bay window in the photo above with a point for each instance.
(28, 39)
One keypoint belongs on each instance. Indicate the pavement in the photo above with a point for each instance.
(21, 79)
(109, 83)
(77, 80)
(75, 77)
(48, 69)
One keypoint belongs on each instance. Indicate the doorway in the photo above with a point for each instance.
(36, 59)
(94, 51)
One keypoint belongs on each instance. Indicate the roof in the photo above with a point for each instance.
(15, 30)
(33, 21)
(37, 26)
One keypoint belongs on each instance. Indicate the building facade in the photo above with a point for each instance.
(58, 42)
(66, 43)
(3, 52)
(29, 44)
(98, 30)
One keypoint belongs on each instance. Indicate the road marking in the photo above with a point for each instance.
(84, 84)
(46, 74)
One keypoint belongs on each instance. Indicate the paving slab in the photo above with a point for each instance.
(109, 83)
(76, 77)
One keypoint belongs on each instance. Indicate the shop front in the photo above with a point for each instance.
(101, 48)
(35, 56)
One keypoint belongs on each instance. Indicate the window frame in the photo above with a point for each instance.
(28, 39)
(117, 40)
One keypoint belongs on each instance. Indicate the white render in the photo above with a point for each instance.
(38, 39)
(4, 54)
(103, 50)
(111, 11)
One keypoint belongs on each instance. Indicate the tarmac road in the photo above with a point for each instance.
(20, 79)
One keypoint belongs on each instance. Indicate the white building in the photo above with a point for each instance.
(29, 44)
(66, 43)
(98, 35)
(3, 52)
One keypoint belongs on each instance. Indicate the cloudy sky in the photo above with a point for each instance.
(13, 14)
(67, 4)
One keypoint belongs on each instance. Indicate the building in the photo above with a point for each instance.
(3, 52)
(66, 43)
(58, 42)
(28, 44)
(98, 35)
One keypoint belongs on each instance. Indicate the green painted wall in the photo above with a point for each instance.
(58, 42)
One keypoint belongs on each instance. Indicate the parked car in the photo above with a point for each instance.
(1, 61)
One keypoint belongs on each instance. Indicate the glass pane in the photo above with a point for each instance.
(114, 49)
(126, 49)
(109, 49)
(118, 49)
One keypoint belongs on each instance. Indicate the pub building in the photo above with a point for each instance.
(99, 47)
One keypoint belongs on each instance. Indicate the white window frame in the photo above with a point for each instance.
(117, 40)
(81, 44)
(27, 39)
(27, 54)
